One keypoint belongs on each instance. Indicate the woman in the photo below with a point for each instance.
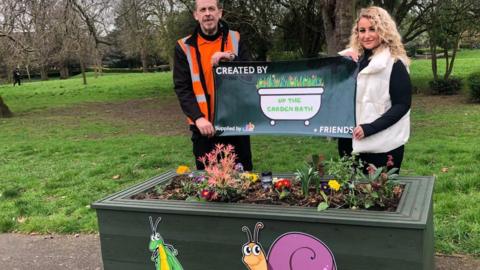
(383, 98)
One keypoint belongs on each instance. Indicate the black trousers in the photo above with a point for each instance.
(15, 81)
(203, 145)
(377, 159)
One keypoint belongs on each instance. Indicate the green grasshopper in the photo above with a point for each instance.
(162, 254)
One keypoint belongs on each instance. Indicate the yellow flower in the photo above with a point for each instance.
(333, 184)
(252, 177)
(183, 169)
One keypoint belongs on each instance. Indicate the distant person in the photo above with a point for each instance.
(17, 77)
(195, 55)
(384, 90)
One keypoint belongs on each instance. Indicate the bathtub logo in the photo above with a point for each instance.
(290, 98)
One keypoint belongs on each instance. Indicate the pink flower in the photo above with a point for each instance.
(371, 169)
(389, 161)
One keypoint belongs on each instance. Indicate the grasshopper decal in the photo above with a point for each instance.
(164, 255)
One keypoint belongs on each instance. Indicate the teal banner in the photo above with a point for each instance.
(307, 97)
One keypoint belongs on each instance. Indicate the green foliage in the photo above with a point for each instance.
(306, 175)
(473, 82)
(345, 169)
(449, 86)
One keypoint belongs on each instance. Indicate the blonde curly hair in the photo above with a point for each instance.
(387, 31)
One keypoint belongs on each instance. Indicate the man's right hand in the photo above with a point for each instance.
(205, 127)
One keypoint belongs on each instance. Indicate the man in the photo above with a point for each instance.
(195, 56)
(16, 76)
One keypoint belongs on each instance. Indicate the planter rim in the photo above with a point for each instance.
(412, 211)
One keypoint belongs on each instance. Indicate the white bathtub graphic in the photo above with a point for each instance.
(301, 103)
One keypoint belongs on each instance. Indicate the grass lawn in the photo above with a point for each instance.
(466, 62)
(70, 145)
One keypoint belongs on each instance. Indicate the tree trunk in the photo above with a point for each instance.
(433, 51)
(338, 17)
(82, 69)
(43, 73)
(98, 64)
(64, 73)
(449, 69)
(4, 110)
(27, 68)
(143, 56)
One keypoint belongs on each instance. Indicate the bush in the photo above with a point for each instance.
(411, 50)
(473, 82)
(449, 86)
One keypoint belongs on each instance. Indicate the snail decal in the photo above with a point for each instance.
(164, 255)
(290, 251)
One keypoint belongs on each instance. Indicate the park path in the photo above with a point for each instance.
(82, 252)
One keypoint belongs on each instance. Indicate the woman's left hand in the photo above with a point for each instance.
(358, 133)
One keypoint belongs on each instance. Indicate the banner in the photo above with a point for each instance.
(308, 97)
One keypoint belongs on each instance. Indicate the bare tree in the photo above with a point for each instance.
(136, 20)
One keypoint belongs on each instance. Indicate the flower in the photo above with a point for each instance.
(199, 179)
(282, 184)
(371, 169)
(239, 167)
(183, 169)
(389, 161)
(206, 194)
(324, 187)
(333, 184)
(252, 177)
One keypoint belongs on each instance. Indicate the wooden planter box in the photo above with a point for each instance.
(209, 235)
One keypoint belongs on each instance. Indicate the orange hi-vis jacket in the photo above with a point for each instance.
(205, 97)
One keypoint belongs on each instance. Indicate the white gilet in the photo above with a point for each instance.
(373, 100)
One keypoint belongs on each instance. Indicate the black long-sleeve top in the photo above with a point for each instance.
(400, 95)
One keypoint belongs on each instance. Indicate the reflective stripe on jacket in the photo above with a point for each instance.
(200, 93)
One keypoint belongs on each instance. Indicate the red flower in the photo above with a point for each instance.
(283, 184)
(206, 194)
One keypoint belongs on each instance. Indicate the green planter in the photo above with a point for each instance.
(209, 235)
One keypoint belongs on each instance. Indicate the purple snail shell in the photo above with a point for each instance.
(300, 251)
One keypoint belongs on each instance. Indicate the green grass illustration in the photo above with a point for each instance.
(272, 81)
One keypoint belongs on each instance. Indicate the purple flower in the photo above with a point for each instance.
(239, 167)
(199, 179)
(325, 188)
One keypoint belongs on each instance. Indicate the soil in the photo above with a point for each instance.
(256, 194)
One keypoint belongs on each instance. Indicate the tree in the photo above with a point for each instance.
(447, 22)
(135, 20)
(408, 15)
(304, 20)
(338, 17)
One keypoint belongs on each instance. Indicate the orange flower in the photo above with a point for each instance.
(182, 169)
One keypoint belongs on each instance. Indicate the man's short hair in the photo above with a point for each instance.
(219, 5)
